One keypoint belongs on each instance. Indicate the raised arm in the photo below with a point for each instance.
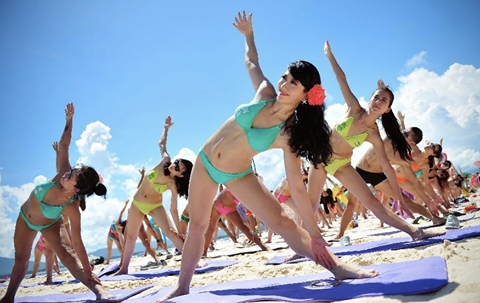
(163, 138)
(121, 212)
(401, 117)
(244, 24)
(174, 208)
(142, 174)
(62, 161)
(302, 202)
(55, 148)
(350, 99)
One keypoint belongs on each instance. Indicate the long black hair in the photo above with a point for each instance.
(309, 131)
(181, 183)
(392, 129)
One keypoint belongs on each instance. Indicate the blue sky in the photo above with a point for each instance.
(127, 65)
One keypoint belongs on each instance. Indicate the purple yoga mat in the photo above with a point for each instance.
(110, 269)
(88, 297)
(405, 278)
(148, 274)
(394, 243)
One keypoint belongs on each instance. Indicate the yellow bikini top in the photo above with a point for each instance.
(152, 177)
(344, 127)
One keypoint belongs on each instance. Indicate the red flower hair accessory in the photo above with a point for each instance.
(316, 95)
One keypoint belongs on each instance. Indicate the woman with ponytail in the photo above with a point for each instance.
(360, 125)
(44, 211)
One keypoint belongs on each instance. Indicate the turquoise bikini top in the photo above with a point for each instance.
(49, 211)
(259, 139)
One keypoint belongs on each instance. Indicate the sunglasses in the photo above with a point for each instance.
(405, 133)
(68, 175)
(177, 165)
(435, 151)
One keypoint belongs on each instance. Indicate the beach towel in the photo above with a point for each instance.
(245, 250)
(87, 297)
(393, 244)
(209, 265)
(404, 278)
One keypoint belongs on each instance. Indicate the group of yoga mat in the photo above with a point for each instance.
(401, 278)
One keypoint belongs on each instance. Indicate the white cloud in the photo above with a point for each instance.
(445, 106)
(417, 60)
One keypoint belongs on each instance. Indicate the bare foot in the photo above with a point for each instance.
(175, 293)
(102, 294)
(120, 272)
(344, 271)
(425, 234)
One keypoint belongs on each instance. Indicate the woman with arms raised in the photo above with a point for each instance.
(63, 195)
(269, 121)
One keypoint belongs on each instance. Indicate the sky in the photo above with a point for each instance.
(126, 65)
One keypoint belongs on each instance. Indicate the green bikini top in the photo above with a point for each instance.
(259, 139)
(344, 127)
(49, 211)
(152, 177)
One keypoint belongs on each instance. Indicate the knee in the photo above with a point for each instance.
(198, 227)
(23, 258)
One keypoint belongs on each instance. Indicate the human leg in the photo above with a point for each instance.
(212, 226)
(142, 235)
(201, 195)
(58, 238)
(135, 220)
(238, 221)
(38, 257)
(23, 238)
(357, 187)
(347, 215)
(160, 217)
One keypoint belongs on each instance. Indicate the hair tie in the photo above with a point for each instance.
(100, 180)
(316, 95)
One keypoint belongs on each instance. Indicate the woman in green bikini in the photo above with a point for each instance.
(43, 212)
(166, 175)
(292, 120)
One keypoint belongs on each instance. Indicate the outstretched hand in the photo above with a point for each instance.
(168, 122)
(327, 50)
(244, 23)
(142, 171)
(400, 115)
(91, 278)
(380, 83)
(320, 253)
(69, 111)
(55, 146)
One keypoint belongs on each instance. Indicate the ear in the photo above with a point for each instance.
(388, 110)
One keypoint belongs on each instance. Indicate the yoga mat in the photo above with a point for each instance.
(88, 297)
(110, 269)
(244, 250)
(404, 278)
(395, 243)
(152, 273)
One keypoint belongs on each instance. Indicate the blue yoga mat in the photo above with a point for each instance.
(148, 274)
(405, 278)
(110, 269)
(393, 243)
(88, 297)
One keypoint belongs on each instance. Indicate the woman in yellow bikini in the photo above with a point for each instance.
(148, 199)
(358, 126)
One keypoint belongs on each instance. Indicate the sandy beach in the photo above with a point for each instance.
(462, 258)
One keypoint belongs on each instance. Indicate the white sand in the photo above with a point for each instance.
(463, 263)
